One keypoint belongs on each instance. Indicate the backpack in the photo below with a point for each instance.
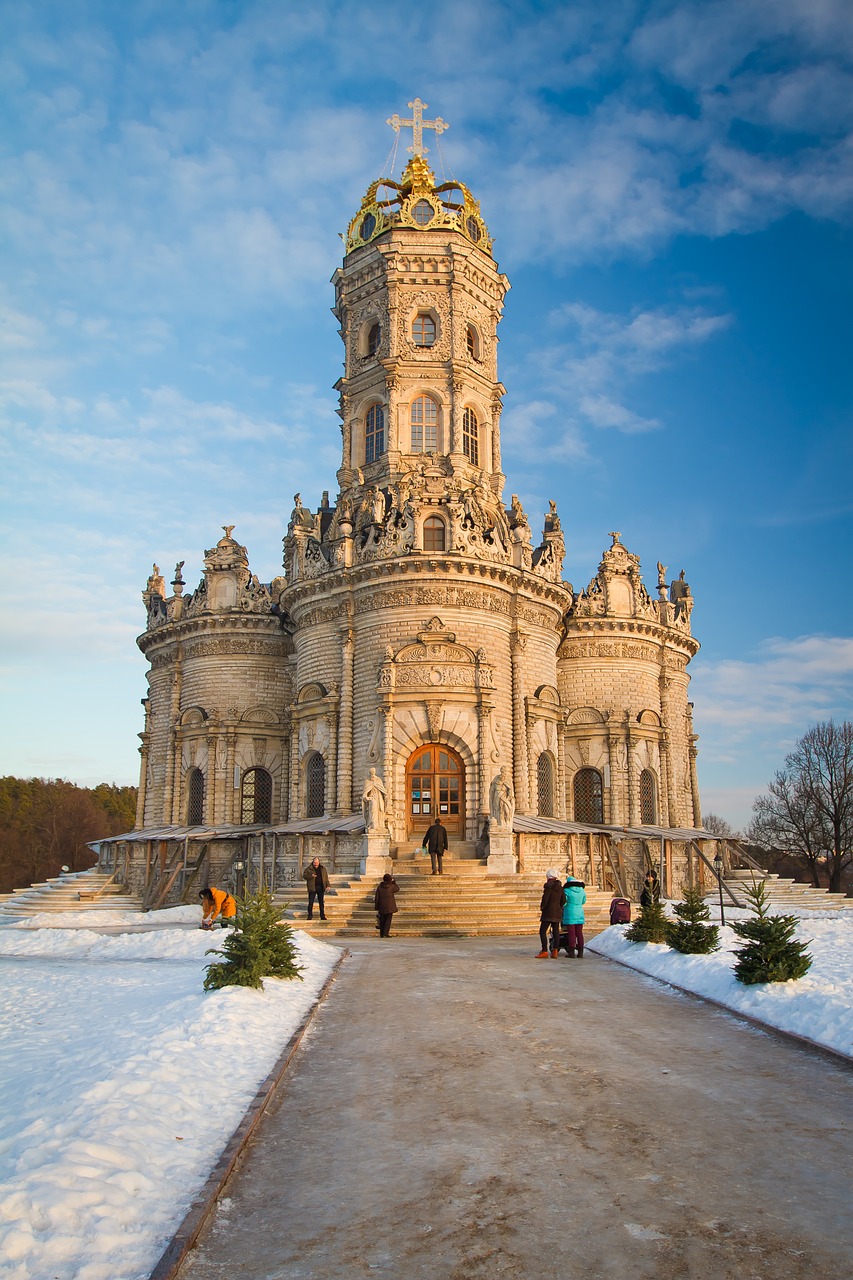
(620, 911)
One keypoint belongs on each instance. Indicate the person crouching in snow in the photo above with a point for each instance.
(573, 915)
(551, 915)
(217, 903)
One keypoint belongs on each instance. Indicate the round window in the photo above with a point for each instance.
(368, 226)
(473, 229)
(423, 213)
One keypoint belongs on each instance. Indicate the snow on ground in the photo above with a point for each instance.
(818, 1006)
(123, 1080)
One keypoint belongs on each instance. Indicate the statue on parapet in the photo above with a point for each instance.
(374, 803)
(502, 801)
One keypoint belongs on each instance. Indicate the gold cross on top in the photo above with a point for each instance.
(417, 125)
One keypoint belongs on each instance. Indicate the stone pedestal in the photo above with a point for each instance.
(501, 861)
(377, 854)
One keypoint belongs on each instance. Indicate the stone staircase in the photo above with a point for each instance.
(784, 895)
(464, 902)
(74, 891)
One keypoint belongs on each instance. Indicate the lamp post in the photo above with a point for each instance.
(238, 867)
(718, 867)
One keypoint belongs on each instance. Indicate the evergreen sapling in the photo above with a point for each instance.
(651, 924)
(771, 954)
(688, 934)
(259, 947)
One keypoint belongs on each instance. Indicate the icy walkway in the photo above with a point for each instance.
(459, 1109)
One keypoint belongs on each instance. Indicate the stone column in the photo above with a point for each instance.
(633, 808)
(613, 810)
(483, 713)
(694, 783)
(344, 788)
(332, 797)
(560, 780)
(519, 729)
(294, 769)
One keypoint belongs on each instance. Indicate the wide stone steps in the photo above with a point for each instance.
(463, 902)
(787, 895)
(69, 892)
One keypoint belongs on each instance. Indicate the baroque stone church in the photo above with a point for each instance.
(421, 653)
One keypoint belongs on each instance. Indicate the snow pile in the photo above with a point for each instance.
(123, 1082)
(818, 1006)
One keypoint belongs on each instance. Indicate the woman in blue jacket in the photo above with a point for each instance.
(573, 915)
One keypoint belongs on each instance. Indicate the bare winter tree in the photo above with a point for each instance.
(719, 827)
(808, 810)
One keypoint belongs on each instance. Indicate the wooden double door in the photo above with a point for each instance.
(435, 787)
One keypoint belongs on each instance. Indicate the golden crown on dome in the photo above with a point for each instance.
(416, 201)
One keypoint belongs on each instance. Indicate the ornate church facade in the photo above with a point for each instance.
(421, 653)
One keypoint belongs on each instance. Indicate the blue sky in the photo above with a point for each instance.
(670, 188)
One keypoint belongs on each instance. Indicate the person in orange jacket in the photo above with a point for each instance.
(214, 903)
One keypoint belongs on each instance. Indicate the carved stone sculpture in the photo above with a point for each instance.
(374, 802)
(502, 801)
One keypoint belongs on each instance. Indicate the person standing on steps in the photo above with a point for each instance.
(435, 841)
(573, 917)
(551, 915)
(316, 877)
(385, 902)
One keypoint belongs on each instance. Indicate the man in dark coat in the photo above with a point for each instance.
(385, 902)
(435, 841)
(316, 877)
(551, 915)
(651, 888)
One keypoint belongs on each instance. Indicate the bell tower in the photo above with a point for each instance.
(419, 298)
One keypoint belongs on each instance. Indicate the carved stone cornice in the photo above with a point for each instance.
(235, 623)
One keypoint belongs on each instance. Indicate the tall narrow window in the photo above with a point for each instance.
(374, 433)
(256, 797)
(434, 534)
(589, 796)
(424, 422)
(471, 342)
(545, 786)
(471, 437)
(648, 798)
(374, 337)
(195, 798)
(423, 330)
(315, 786)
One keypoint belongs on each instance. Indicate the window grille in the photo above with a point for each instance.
(424, 422)
(315, 786)
(195, 798)
(434, 534)
(423, 330)
(545, 786)
(471, 437)
(648, 798)
(589, 796)
(374, 436)
(256, 796)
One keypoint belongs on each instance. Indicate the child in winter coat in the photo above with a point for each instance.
(573, 917)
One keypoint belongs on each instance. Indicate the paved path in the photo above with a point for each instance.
(461, 1110)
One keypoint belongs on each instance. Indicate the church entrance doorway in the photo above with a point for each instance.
(435, 787)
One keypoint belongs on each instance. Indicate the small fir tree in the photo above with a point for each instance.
(651, 924)
(771, 954)
(688, 934)
(257, 948)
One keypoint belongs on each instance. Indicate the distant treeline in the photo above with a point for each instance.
(46, 822)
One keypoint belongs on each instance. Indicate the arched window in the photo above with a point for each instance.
(424, 422)
(471, 437)
(471, 341)
(195, 798)
(374, 433)
(315, 786)
(423, 330)
(545, 786)
(648, 798)
(423, 213)
(256, 796)
(374, 338)
(589, 796)
(434, 534)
